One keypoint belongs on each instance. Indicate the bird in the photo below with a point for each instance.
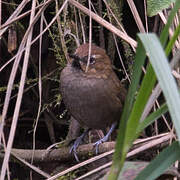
(94, 97)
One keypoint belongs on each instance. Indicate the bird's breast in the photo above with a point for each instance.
(92, 101)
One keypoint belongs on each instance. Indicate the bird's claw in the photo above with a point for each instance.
(105, 138)
(77, 142)
(97, 145)
(74, 147)
(75, 155)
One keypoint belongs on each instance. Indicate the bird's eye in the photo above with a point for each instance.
(92, 59)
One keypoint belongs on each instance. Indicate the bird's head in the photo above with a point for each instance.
(99, 61)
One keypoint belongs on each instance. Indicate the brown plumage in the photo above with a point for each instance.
(94, 98)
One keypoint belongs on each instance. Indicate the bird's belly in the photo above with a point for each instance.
(89, 103)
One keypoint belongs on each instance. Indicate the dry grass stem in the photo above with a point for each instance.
(104, 23)
(136, 16)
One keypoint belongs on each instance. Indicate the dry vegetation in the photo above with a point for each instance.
(36, 37)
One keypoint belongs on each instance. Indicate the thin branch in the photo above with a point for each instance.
(90, 35)
(130, 154)
(19, 98)
(40, 89)
(15, 14)
(136, 16)
(104, 23)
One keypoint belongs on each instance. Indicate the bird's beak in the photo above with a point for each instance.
(74, 57)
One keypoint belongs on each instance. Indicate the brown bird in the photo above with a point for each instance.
(94, 98)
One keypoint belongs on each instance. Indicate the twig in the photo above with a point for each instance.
(104, 23)
(15, 13)
(19, 98)
(130, 154)
(136, 16)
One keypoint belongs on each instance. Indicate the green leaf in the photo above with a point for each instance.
(129, 127)
(139, 105)
(165, 33)
(155, 6)
(172, 40)
(119, 155)
(151, 118)
(161, 66)
(165, 159)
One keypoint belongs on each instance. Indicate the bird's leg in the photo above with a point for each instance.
(73, 132)
(77, 142)
(106, 137)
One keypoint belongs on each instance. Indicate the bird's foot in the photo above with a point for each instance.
(77, 142)
(74, 147)
(105, 138)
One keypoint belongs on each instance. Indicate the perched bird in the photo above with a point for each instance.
(94, 98)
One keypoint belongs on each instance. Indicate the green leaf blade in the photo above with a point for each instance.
(165, 159)
(163, 72)
(155, 6)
